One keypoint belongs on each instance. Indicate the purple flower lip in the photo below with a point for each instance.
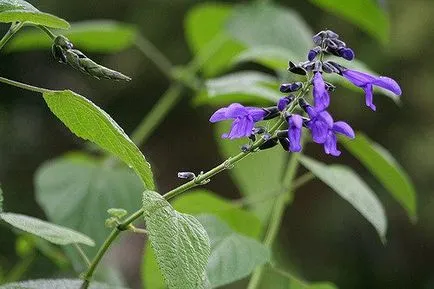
(244, 119)
(295, 124)
(367, 82)
(320, 94)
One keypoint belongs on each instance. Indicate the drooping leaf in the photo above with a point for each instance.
(246, 86)
(180, 243)
(53, 233)
(55, 284)
(202, 202)
(91, 36)
(90, 122)
(233, 256)
(385, 168)
(366, 14)
(353, 189)
(76, 191)
(256, 177)
(206, 36)
(1, 200)
(258, 25)
(22, 11)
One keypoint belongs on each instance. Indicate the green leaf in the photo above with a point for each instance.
(76, 192)
(50, 232)
(1, 200)
(385, 168)
(180, 243)
(270, 25)
(90, 122)
(22, 11)
(353, 189)
(205, 34)
(250, 86)
(297, 284)
(55, 284)
(233, 256)
(256, 177)
(206, 202)
(92, 36)
(366, 14)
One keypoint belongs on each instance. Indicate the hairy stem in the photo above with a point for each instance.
(24, 86)
(12, 30)
(82, 254)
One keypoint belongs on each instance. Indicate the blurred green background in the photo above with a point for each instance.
(323, 236)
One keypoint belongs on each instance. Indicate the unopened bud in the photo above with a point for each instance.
(186, 175)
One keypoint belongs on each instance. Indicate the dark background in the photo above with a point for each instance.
(325, 238)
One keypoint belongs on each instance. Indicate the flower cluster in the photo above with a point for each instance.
(315, 117)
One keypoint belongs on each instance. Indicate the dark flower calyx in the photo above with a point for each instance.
(296, 69)
(272, 142)
(290, 87)
(313, 53)
(329, 86)
(339, 68)
(271, 112)
(329, 68)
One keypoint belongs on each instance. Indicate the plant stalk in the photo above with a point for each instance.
(12, 30)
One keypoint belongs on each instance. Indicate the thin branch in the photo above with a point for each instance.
(82, 254)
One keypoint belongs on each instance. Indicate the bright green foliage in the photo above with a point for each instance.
(91, 36)
(90, 122)
(273, 26)
(353, 189)
(22, 11)
(257, 177)
(241, 86)
(233, 256)
(297, 284)
(77, 191)
(1, 200)
(55, 284)
(206, 36)
(203, 202)
(181, 244)
(366, 14)
(385, 168)
(206, 202)
(50, 232)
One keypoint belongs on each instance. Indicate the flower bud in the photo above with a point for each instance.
(290, 87)
(346, 53)
(186, 175)
(313, 53)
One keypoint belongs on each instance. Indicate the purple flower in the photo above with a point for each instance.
(324, 129)
(283, 103)
(295, 124)
(367, 82)
(244, 119)
(320, 95)
(346, 53)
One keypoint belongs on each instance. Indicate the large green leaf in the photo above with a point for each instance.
(385, 168)
(55, 284)
(353, 189)
(50, 232)
(257, 177)
(233, 256)
(92, 36)
(200, 202)
(180, 243)
(90, 122)
(270, 25)
(366, 14)
(77, 191)
(22, 11)
(246, 86)
(206, 36)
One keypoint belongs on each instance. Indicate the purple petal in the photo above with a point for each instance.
(388, 83)
(294, 132)
(219, 115)
(320, 93)
(312, 54)
(319, 131)
(369, 96)
(325, 117)
(241, 127)
(358, 78)
(330, 145)
(346, 53)
(283, 103)
(343, 128)
(256, 113)
(236, 110)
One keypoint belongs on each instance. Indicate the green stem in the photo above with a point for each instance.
(47, 31)
(20, 269)
(82, 254)
(24, 86)
(12, 30)
(164, 105)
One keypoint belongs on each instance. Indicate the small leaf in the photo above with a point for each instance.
(22, 11)
(367, 15)
(90, 122)
(180, 243)
(385, 168)
(50, 232)
(233, 256)
(270, 25)
(55, 284)
(76, 191)
(1, 200)
(102, 36)
(353, 189)
(205, 32)
(241, 86)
